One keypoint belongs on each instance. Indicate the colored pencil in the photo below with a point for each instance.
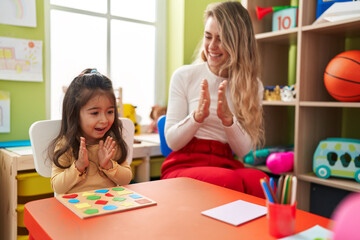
(293, 192)
(266, 191)
(288, 197)
(284, 190)
(280, 187)
(271, 190)
(272, 184)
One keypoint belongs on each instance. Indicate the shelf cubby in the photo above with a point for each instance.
(314, 115)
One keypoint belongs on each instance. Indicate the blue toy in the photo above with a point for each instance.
(339, 157)
(262, 154)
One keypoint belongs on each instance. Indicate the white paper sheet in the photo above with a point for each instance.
(21, 59)
(18, 12)
(237, 212)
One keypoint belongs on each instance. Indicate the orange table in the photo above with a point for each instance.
(177, 215)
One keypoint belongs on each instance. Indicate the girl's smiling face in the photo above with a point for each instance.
(96, 118)
(214, 52)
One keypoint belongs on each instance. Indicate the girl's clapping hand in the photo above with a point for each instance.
(106, 152)
(83, 161)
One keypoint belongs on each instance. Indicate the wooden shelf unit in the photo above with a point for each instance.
(314, 115)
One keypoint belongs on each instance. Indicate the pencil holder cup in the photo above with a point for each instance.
(281, 219)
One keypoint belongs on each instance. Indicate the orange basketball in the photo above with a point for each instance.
(342, 76)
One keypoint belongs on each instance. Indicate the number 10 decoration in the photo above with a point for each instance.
(285, 19)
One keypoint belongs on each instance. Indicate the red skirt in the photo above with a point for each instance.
(201, 152)
(212, 162)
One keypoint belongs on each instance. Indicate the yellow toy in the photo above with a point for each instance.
(272, 94)
(129, 112)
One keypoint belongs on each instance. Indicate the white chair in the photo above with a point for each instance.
(42, 133)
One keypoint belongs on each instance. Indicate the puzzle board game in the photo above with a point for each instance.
(103, 201)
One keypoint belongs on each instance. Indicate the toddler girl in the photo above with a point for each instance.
(89, 152)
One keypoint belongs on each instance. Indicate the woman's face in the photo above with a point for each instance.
(96, 118)
(213, 49)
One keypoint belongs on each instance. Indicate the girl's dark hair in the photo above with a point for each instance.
(86, 85)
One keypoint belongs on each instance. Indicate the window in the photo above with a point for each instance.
(123, 39)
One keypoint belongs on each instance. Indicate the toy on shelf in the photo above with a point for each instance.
(262, 154)
(261, 12)
(342, 76)
(277, 93)
(288, 93)
(156, 112)
(129, 112)
(280, 162)
(284, 17)
(272, 93)
(339, 157)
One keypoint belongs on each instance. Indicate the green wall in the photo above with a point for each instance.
(175, 37)
(27, 99)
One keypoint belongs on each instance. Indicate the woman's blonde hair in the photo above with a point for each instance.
(238, 39)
